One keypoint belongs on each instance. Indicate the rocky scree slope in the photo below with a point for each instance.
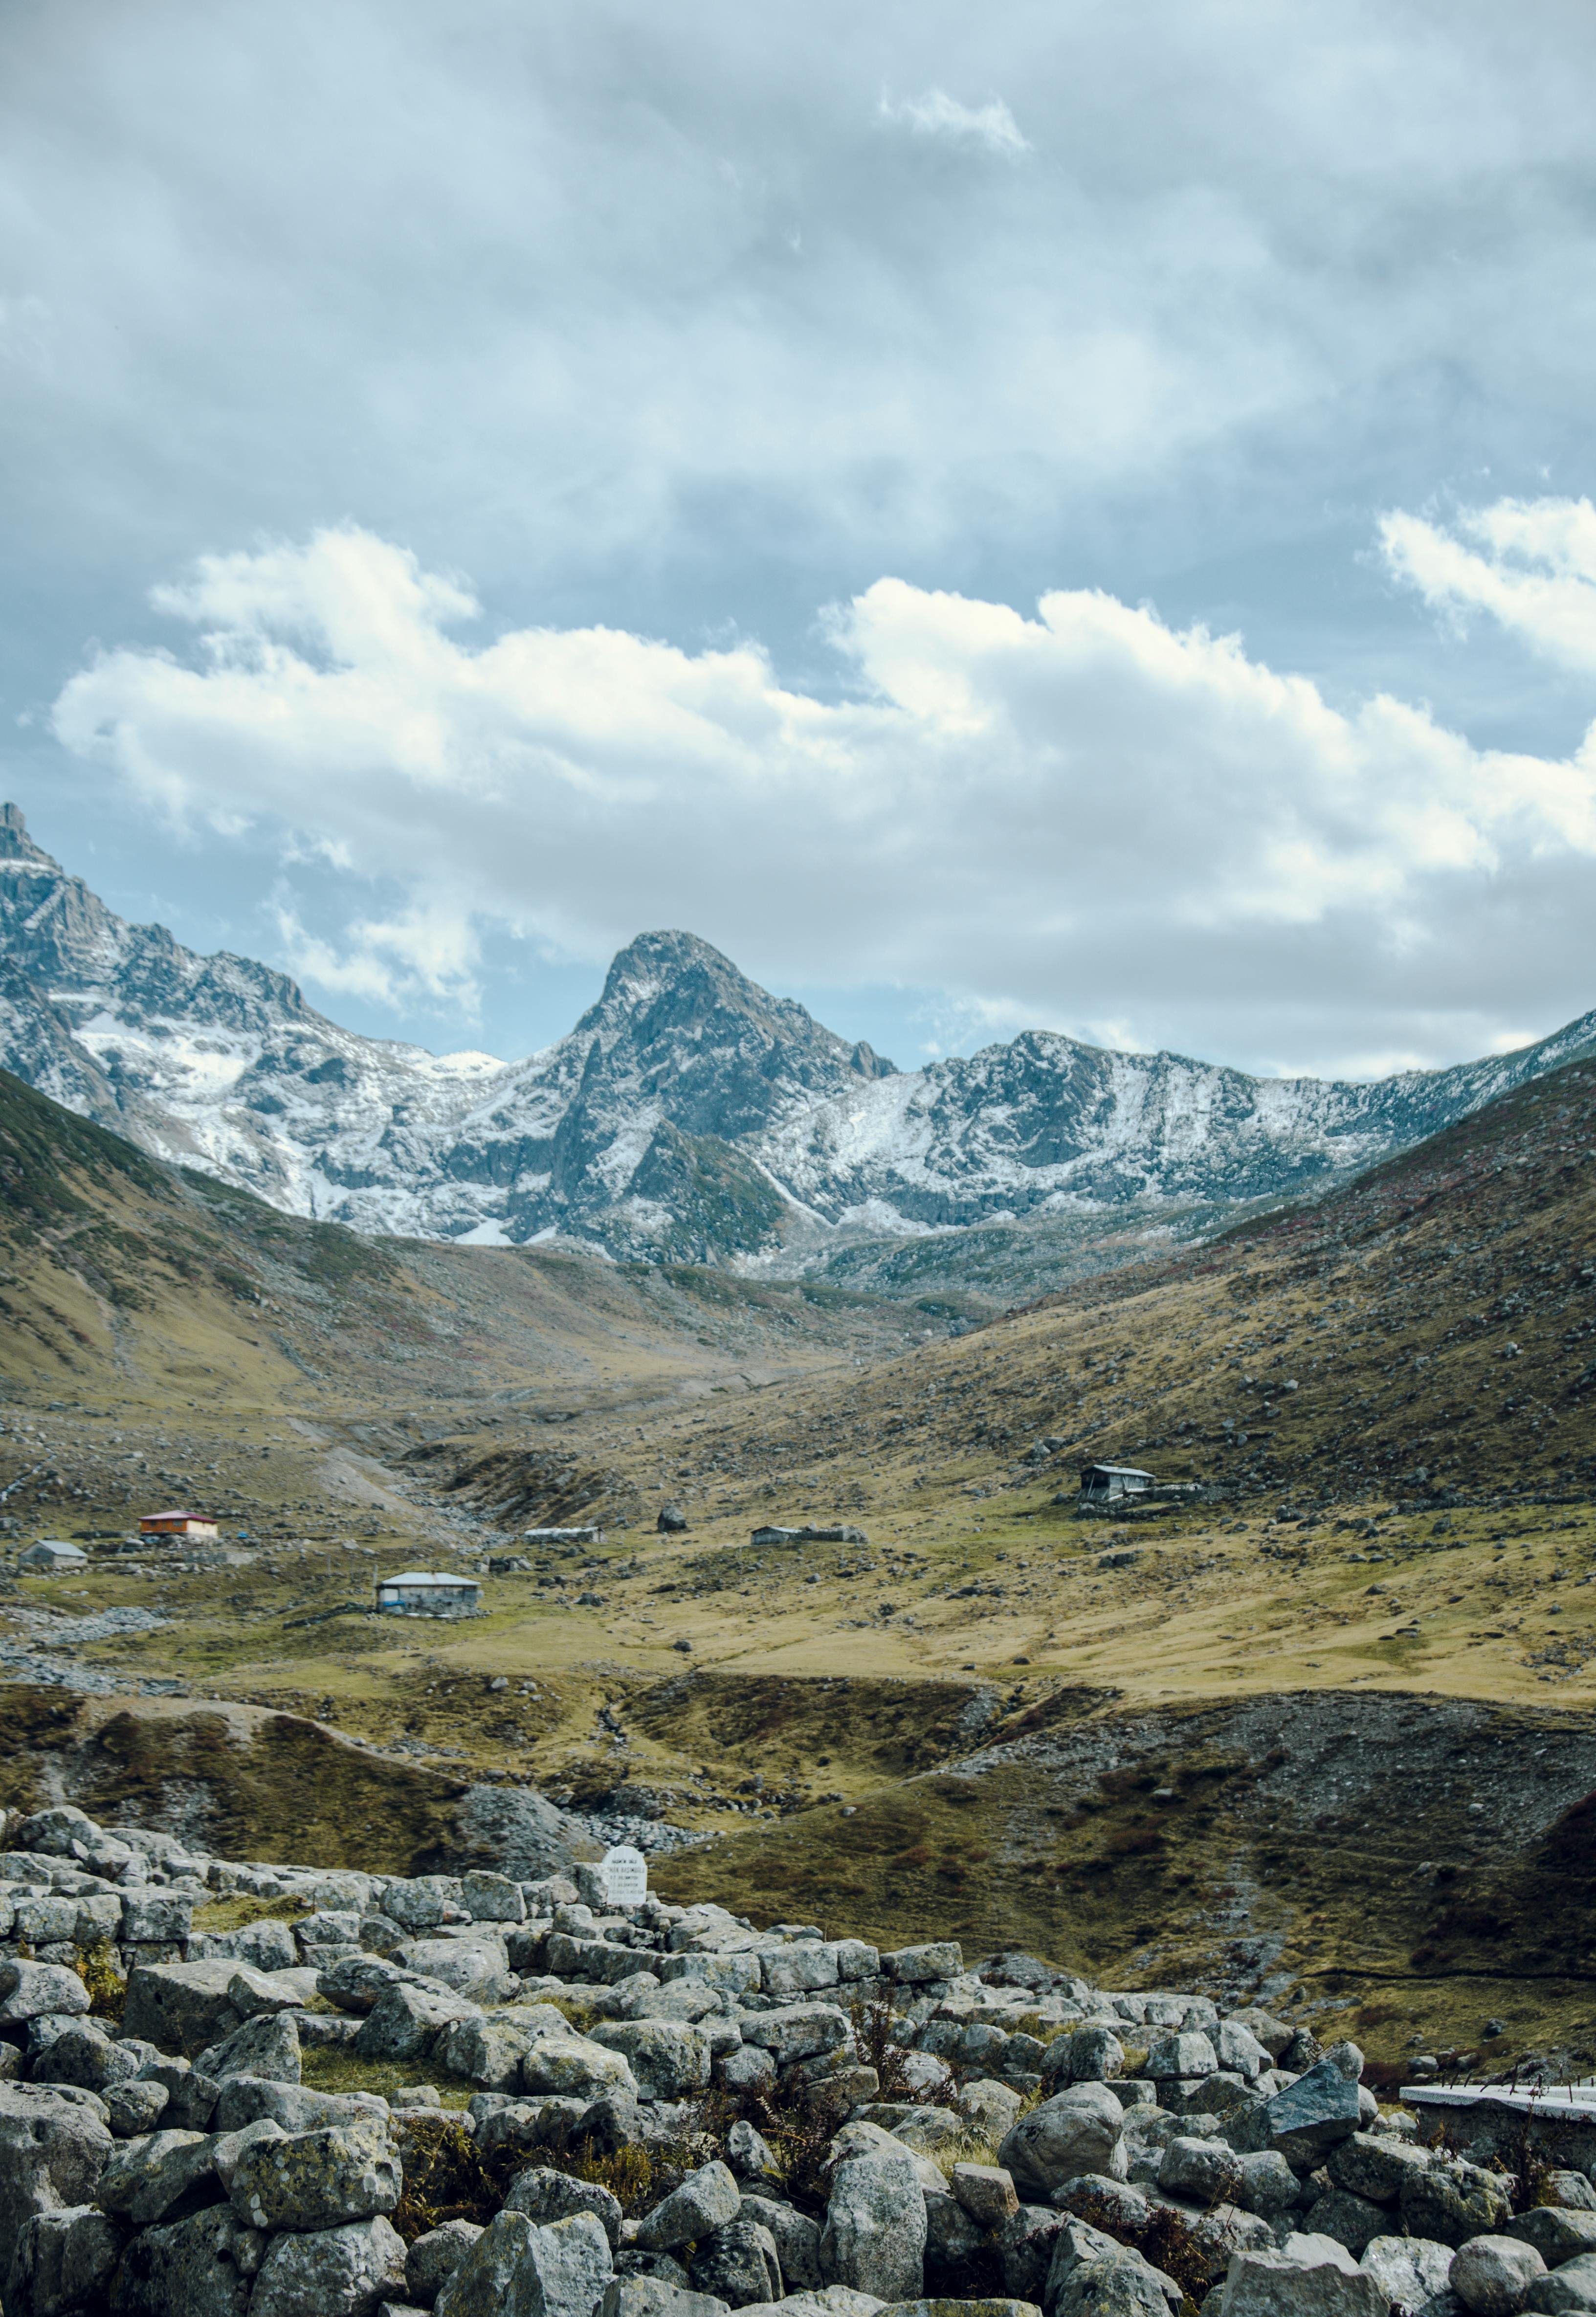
(553, 2107)
(689, 1115)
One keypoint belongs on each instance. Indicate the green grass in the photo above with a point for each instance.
(334, 2068)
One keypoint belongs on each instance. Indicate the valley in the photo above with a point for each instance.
(1313, 1736)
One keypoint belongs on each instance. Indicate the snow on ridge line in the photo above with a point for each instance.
(217, 1064)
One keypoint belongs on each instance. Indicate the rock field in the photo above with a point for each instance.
(663, 2112)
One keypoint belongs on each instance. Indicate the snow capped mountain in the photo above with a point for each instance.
(689, 1115)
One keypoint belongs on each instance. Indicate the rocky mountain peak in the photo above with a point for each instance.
(667, 984)
(690, 1115)
(15, 843)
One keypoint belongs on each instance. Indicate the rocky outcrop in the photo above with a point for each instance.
(153, 2167)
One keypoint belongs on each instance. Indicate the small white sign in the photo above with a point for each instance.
(626, 1876)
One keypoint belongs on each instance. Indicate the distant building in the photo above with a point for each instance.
(840, 1534)
(1101, 1483)
(53, 1552)
(428, 1593)
(562, 1535)
(178, 1524)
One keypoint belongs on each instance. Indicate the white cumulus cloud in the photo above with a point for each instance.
(1080, 816)
(937, 114)
(1528, 563)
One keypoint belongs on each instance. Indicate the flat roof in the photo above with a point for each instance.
(427, 1577)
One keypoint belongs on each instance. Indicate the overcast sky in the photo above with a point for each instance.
(1027, 515)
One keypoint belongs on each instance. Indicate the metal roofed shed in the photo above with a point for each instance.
(1101, 1483)
(428, 1593)
(53, 1552)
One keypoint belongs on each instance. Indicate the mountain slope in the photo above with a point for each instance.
(687, 1116)
(145, 1282)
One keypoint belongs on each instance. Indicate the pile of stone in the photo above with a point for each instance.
(1041, 2148)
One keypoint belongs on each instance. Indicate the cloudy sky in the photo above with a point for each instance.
(1031, 515)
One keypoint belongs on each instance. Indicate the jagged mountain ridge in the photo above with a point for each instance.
(689, 1115)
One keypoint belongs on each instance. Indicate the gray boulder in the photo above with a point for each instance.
(406, 2019)
(355, 1981)
(52, 2152)
(1352, 2220)
(1078, 2130)
(202, 2267)
(420, 1901)
(1267, 2184)
(653, 2297)
(269, 1945)
(518, 1831)
(1571, 2189)
(706, 2201)
(528, 2124)
(737, 2264)
(163, 2177)
(181, 2006)
(517, 2268)
(800, 2031)
(1185, 2054)
(796, 2237)
(155, 1917)
(1557, 2233)
(265, 2045)
(544, 2195)
(1568, 2290)
(1085, 2056)
(1205, 2170)
(317, 2180)
(1089, 2272)
(1263, 2283)
(1412, 2269)
(1239, 2051)
(986, 2192)
(343, 2272)
(1451, 2203)
(1026, 2246)
(873, 2239)
(1105, 2287)
(227, 2148)
(487, 2052)
(669, 2060)
(574, 2067)
(433, 2258)
(477, 1967)
(245, 2099)
(191, 2098)
(952, 2239)
(749, 2153)
(1374, 2164)
(135, 2107)
(83, 2054)
(1491, 2276)
(33, 1990)
(61, 2261)
(489, 1897)
(1310, 2116)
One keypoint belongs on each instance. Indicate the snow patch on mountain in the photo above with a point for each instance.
(689, 1115)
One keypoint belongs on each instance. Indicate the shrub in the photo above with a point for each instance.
(108, 1990)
